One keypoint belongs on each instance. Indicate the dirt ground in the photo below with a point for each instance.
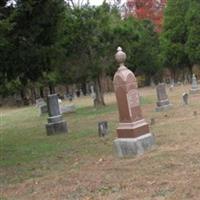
(171, 171)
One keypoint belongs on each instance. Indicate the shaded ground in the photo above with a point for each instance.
(83, 166)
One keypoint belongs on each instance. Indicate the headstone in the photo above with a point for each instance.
(185, 97)
(171, 88)
(93, 94)
(42, 105)
(71, 97)
(81, 92)
(65, 96)
(103, 128)
(43, 109)
(59, 101)
(172, 82)
(56, 124)
(68, 109)
(133, 132)
(179, 83)
(40, 102)
(152, 84)
(162, 98)
(195, 89)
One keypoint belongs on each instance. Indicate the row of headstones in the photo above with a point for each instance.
(163, 101)
(57, 125)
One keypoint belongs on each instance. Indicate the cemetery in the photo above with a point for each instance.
(100, 101)
(82, 165)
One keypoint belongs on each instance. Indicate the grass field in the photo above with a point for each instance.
(81, 165)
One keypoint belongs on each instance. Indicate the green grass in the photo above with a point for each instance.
(27, 151)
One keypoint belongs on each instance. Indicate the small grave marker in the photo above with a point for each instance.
(185, 97)
(103, 128)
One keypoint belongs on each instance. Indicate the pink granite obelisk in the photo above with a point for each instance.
(133, 132)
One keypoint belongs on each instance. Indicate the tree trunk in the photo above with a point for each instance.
(33, 95)
(67, 89)
(41, 92)
(190, 67)
(99, 93)
(23, 97)
(52, 89)
(83, 88)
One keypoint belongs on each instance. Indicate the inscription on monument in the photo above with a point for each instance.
(133, 98)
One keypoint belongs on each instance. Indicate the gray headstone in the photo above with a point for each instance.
(103, 128)
(56, 124)
(162, 98)
(93, 94)
(43, 109)
(195, 89)
(53, 105)
(194, 82)
(68, 109)
(171, 88)
(185, 97)
(40, 102)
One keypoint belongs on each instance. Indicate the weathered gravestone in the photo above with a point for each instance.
(40, 102)
(162, 98)
(103, 128)
(68, 108)
(93, 95)
(185, 98)
(171, 88)
(43, 109)
(133, 132)
(56, 124)
(195, 89)
(42, 105)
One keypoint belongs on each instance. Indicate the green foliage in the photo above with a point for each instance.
(141, 44)
(36, 36)
(193, 25)
(181, 36)
(88, 42)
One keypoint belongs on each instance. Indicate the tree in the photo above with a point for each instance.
(193, 27)
(141, 44)
(36, 38)
(5, 44)
(89, 45)
(174, 36)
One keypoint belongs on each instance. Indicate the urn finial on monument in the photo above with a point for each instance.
(133, 135)
(120, 57)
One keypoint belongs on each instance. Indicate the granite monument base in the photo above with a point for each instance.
(132, 129)
(195, 91)
(163, 108)
(128, 147)
(56, 128)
